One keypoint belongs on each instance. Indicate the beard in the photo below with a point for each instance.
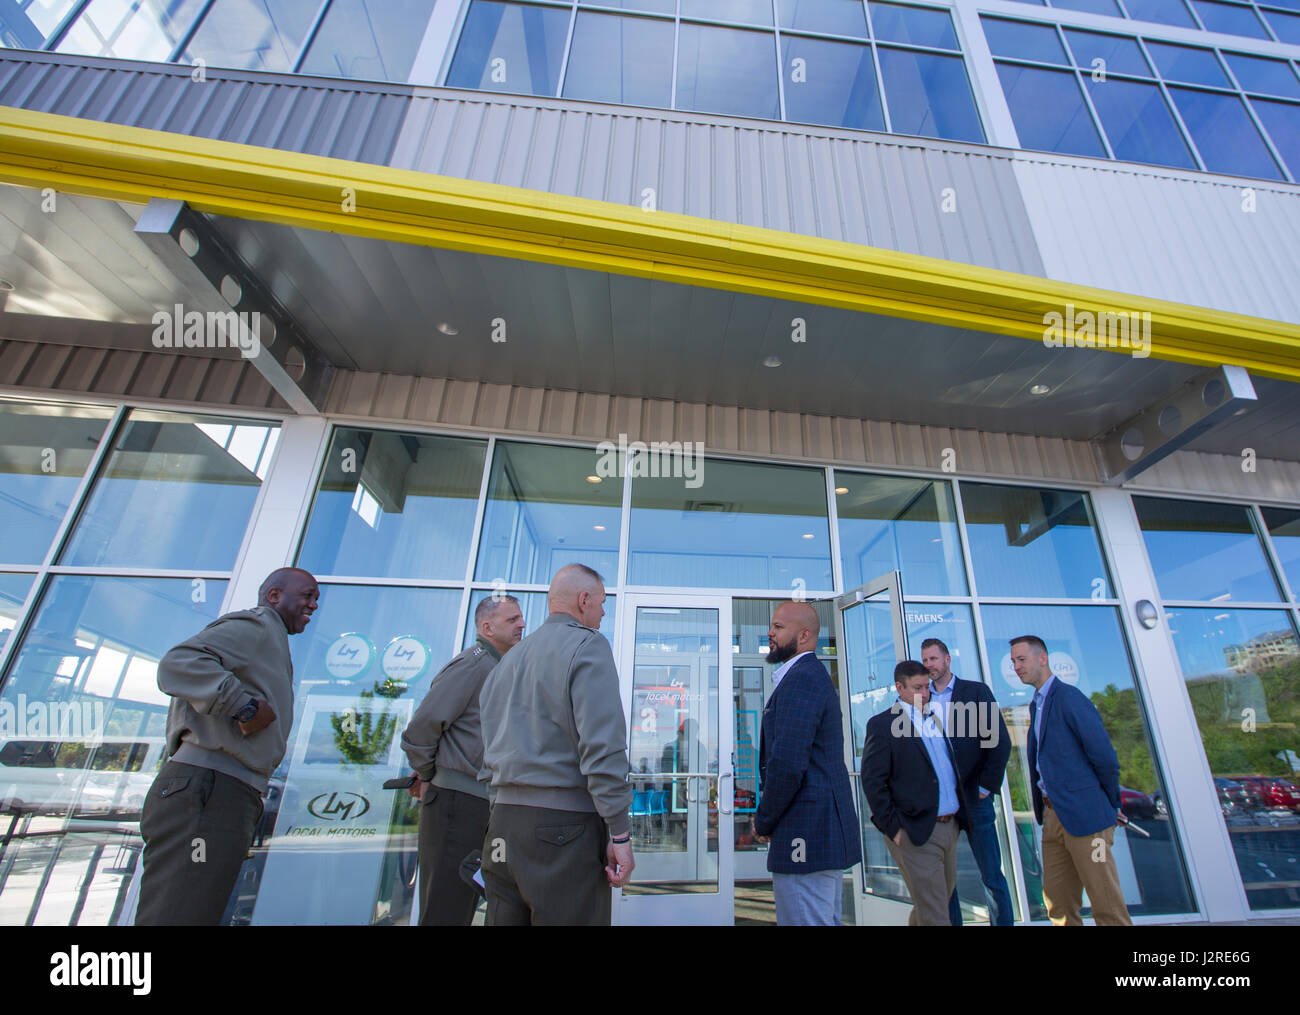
(781, 653)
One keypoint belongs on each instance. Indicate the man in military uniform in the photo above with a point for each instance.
(446, 726)
(555, 753)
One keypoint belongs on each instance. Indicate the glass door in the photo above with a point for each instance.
(872, 631)
(676, 673)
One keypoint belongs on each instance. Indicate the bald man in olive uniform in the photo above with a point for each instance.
(555, 755)
(228, 727)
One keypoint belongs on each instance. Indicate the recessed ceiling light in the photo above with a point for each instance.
(599, 528)
(6, 286)
(841, 489)
(1039, 389)
(593, 479)
(809, 535)
(772, 361)
(447, 329)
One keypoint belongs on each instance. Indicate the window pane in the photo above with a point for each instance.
(1200, 550)
(131, 29)
(1049, 111)
(402, 637)
(1024, 41)
(654, 6)
(1183, 63)
(720, 70)
(1121, 55)
(1242, 668)
(84, 683)
(929, 95)
(888, 523)
(1282, 121)
(1090, 6)
(44, 452)
(1166, 12)
(835, 84)
(253, 34)
(27, 26)
(394, 505)
(1257, 74)
(1285, 26)
(754, 12)
(837, 17)
(1284, 529)
(175, 492)
(510, 48)
(372, 39)
(13, 593)
(1229, 18)
(1138, 123)
(535, 611)
(744, 526)
(919, 26)
(1086, 649)
(617, 59)
(1031, 542)
(1228, 140)
(543, 512)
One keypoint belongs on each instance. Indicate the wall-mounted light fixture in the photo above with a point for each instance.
(1147, 614)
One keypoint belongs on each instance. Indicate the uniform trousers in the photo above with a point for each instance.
(197, 826)
(452, 825)
(545, 867)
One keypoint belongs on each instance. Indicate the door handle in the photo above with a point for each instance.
(729, 798)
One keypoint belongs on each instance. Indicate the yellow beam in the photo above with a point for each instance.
(86, 157)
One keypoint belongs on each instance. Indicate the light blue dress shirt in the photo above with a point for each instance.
(932, 739)
(1040, 696)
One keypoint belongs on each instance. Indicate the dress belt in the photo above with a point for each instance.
(945, 817)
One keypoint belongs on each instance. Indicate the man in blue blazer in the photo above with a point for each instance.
(805, 810)
(973, 722)
(1074, 777)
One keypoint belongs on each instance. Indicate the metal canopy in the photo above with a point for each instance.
(379, 305)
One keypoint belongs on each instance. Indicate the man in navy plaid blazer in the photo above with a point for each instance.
(806, 808)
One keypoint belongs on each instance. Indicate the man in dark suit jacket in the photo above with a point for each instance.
(973, 722)
(909, 778)
(806, 806)
(1074, 777)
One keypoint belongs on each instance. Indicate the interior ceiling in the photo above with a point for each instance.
(372, 305)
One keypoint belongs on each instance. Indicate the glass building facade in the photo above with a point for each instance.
(1186, 84)
(126, 542)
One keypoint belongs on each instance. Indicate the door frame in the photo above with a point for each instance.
(868, 909)
(687, 908)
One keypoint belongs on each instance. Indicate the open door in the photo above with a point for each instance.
(872, 631)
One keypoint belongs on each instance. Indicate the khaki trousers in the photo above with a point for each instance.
(930, 871)
(1070, 866)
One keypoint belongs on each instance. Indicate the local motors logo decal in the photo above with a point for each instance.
(404, 659)
(337, 806)
(349, 656)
